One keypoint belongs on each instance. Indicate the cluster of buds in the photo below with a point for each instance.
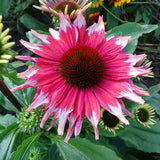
(4, 44)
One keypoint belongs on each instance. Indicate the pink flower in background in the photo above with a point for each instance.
(80, 71)
(70, 7)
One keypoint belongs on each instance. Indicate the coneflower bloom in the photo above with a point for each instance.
(78, 71)
(70, 7)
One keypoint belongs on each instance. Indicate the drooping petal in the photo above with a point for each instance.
(120, 89)
(109, 103)
(39, 100)
(92, 110)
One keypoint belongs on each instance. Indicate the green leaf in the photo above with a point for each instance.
(7, 104)
(131, 46)
(5, 6)
(142, 138)
(154, 98)
(83, 149)
(32, 38)
(22, 151)
(138, 16)
(54, 153)
(132, 29)
(17, 64)
(111, 21)
(7, 139)
(24, 96)
(7, 120)
(145, 18)
(32, 23)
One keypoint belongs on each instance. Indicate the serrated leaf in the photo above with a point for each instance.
(83, 149)
(142, 138)
(7, 138)
(22, 150)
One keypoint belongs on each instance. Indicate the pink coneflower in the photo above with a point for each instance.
(70, 7)
(80, 71)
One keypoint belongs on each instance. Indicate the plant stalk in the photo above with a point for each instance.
(5, 90)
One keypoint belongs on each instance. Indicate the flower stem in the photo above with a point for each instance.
(5, 90)
(113, 15)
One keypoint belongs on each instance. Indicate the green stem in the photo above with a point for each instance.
(5, 90)
(113, 15)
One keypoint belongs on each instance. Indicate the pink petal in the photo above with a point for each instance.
(38, 101)
(95, 33)
(27, 84)
(113, 45)
(92, 110)
(28, 73)
(109, 103)
(68, 32)
(78, 124)
(80, 23)
(40, 50)
(119, 89)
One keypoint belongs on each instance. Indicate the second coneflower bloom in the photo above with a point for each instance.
(78, 71)
(69, 7)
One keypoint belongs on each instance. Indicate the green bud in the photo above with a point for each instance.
(3, 61)
(8, 45)
(4, 33)
(5, 39)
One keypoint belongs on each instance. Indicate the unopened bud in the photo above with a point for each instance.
(4, 33)
(6, 56)
(0, 18)
(8, 45)
(1, 27)
(5, 39)
(2, 61)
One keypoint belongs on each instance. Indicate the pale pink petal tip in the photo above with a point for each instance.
(96, 133)
(122, 41)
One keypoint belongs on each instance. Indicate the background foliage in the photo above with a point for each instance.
(141, 21)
